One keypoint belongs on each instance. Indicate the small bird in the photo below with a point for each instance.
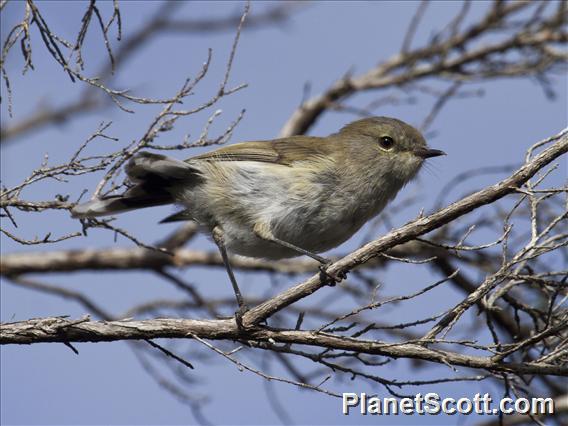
(281, 198)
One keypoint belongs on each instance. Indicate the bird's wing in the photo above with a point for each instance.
(283, 151)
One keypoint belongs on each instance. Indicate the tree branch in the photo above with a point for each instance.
(62, 330)
(141, 258)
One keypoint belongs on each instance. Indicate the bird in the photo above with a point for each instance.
(281, 198)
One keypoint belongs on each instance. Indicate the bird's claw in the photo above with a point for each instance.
(329, 277)
(243, 309)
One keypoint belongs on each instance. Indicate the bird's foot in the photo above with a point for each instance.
(243, 309)
(330, 278)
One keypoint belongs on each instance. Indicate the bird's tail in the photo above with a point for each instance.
(157, 179)
(119, 204)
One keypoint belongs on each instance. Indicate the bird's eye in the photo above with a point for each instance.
(386, 142)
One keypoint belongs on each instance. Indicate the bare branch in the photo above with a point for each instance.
(61, 330)
(449, 57)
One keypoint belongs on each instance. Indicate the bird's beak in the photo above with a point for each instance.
(427, 153)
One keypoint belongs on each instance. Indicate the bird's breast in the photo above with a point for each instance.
(315, 210)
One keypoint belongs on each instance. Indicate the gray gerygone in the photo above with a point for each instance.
(279, 198)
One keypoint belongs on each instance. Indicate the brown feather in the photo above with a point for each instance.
(284, 151)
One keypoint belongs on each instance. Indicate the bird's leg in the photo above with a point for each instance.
(217, 234)
(263, 231)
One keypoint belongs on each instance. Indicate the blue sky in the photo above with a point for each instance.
(47, 383)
